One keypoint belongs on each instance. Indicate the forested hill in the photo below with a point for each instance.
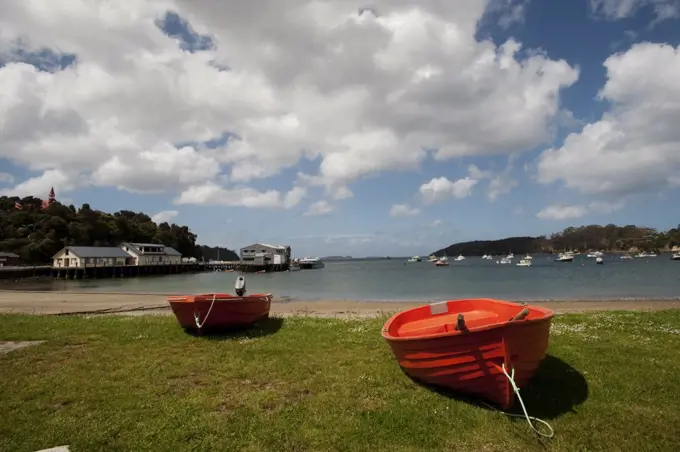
(594, 237)
(504, 246)
(36, 233)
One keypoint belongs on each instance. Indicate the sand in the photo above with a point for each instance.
(27, 302)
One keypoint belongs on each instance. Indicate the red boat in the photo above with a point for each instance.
(481, 347)
(219, 310)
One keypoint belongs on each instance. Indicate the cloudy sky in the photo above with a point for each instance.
(347, 127)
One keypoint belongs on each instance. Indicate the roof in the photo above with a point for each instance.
(96, 251)
(4, 254)
(276, 247)
(170, 251)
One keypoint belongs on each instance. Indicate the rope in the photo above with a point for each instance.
(111, 310)
(196, 315)
(511, 379)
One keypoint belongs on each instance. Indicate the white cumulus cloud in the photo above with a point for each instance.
(164, 216)
(441, 188)
(562, 212)
(568, 212)
(359, 92)
(635, 146)
(319, 208)
(403, 210)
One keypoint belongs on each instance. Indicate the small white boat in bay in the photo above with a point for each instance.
(442, 262)
(565, 257)
(310, 263)
(524, 263)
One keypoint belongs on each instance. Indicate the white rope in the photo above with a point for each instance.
(196, 315)
(511, 379)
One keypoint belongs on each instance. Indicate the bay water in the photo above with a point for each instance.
(395, 280)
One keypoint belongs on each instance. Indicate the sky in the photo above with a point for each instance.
(361, 128)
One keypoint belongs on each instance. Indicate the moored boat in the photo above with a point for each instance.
(479, 347)
(310, 263)
(565, 257)
(220, 310)
(442, 262)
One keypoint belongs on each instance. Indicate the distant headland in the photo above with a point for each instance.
(609, 238)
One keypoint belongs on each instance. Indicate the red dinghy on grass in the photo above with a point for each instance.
(481, 347)
(220, 310)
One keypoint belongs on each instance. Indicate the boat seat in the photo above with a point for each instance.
(421, 331)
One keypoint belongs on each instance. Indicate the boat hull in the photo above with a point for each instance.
(427, 346)
(311, 265)
(228, 310)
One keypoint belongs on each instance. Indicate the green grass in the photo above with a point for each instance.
(611, 382)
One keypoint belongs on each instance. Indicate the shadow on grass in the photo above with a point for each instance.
(556, 389)
(264, 327)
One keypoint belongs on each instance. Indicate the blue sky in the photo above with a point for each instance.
(361, 225)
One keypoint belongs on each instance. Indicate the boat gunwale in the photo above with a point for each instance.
(548, 315)
(261, 297)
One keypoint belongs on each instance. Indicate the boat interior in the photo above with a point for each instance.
(460, 315)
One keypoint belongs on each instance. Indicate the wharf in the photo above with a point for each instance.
(131, 271)
(98, 271)
(247, 267)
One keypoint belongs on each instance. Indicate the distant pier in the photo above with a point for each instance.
(98, 271)
(247, 267)
(132, 271)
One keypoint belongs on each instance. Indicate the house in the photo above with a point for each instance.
(91, 256)
(9, 259)
(265, 254)
(152, 254)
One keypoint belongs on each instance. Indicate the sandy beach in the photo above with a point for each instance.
(78, 302)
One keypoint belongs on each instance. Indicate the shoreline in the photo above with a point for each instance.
(57, 302)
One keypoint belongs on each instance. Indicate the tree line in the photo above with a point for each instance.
(609, 238)
(36, 232)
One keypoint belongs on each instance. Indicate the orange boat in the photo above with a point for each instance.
(219, 310)
(482, 347)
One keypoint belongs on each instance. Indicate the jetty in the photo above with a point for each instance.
(87, 271)
(129, 260)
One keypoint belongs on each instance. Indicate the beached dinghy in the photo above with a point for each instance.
(481, 347)
(220, 310)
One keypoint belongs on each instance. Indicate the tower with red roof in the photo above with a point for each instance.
(50, 200)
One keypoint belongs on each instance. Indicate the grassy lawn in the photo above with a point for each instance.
(611, 382)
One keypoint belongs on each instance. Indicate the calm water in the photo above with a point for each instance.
(655, 278)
